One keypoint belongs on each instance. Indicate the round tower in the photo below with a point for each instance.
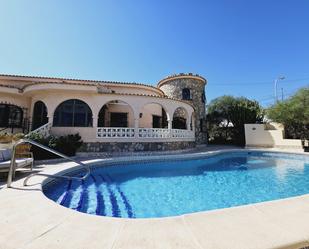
(189, 88)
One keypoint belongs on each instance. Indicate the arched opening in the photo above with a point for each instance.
(11, 116)
(116, 113)
(153, 115)
(186, 94)
(39, 116)
(180, 118)
(73, 113)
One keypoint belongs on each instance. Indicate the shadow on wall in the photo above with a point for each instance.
(269, 135)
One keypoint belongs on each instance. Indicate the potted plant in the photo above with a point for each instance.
(6, 138)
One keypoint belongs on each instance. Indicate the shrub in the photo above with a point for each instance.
(227, 116)
(67, 145)
(293, 113)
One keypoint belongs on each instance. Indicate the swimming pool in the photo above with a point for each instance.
(173, 187)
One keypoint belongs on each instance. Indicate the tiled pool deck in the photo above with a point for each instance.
(29, 220)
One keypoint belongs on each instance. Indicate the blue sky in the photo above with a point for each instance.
(240, 46)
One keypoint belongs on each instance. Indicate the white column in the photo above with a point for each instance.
(50, 117)
(169, 124)
(136, 126)
(95, 116)
(188, 124)
(193, 126)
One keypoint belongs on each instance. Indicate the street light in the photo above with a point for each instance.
(276, 83)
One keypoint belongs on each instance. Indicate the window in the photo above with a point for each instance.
(101, 117)
(156, 121)
(179, 123)
(10, 116)
(186, 94)
(39, 115)
(118, 119)
(73, 113)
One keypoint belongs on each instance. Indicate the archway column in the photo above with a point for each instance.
(50, 118)
(170, 123)
(95, 121)
(136, 126)
(188, 122)
(193, 124)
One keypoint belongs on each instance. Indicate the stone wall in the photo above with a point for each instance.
(173, 86)
(135, 146)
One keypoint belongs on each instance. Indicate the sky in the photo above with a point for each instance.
(239, 46)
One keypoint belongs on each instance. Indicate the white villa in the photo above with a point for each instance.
(108, 115)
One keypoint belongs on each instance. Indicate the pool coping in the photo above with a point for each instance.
(30, 220)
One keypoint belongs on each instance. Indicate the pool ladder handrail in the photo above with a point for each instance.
(12, 168)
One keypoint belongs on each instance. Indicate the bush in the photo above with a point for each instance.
(67, 145)
(226, 118)
(293, 113)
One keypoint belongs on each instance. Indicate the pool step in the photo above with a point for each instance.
(76, 196)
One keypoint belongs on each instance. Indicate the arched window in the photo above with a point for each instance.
(180, 118)
(10, 116)
(73, 113)
(186, 94)
(39, 116)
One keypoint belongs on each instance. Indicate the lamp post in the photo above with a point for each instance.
(276, 83)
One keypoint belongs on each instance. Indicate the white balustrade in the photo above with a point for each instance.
(177, 133)
(43, 130)
(153, 133)
(115, 132)
(144, 133)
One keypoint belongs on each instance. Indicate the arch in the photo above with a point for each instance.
(39, 115)
(11, 116)
(116, 113)
(153, 115)
(180, 118)
(73, 113)
(186, 94)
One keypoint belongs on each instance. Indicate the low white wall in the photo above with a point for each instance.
(259, 135)
(89, 134)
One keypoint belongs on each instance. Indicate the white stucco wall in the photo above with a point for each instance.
(260, 135)
(147, 112)
(15, 99)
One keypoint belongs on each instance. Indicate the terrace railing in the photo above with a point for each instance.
(177, 133)
(153, 133)
(115, 132)
(144, 133)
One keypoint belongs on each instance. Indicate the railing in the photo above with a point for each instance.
(115, 132)
(144, 133)
(44, 130)
(177, 133)
(154, 133)
(13, 164)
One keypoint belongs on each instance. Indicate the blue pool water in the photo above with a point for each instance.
(175, 187)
